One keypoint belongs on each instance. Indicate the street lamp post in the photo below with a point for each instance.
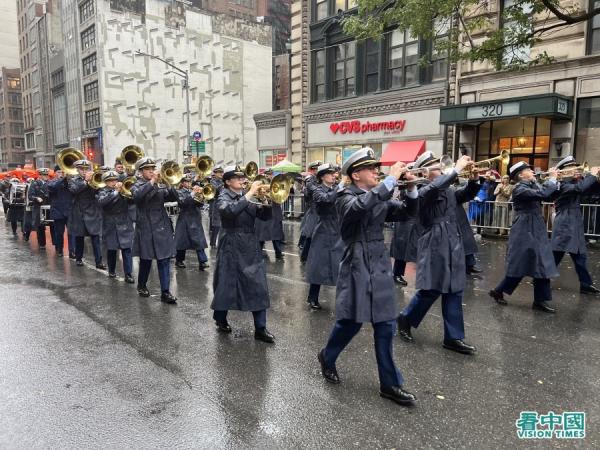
(183, 73)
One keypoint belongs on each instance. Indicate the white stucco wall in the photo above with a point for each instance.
(9, 35)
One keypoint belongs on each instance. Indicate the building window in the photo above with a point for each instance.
(17, 143)
(86, 10)
(344, 5)
(88, 38)
(90, 92)
(14, 98)
(57, 78)
(30, 139)
(319, 76)
(89, 65)
(268, 158)
(15, 113)
(92, 118)
(321, 9)
(16, 128)
(588, 130)
(403, 59)
(594, 29)
(344, 70)
(59, 106)
(371, 66)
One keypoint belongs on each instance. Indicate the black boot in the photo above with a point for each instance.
(143, 291)
(129, 279)
(404, 328)
(223, 327)
(261, 334)
(168, 298)
(398, 395)
(314, 304)
(329, 373)
(457, 345)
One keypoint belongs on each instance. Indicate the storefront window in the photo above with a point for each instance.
(525, 139)
(337, 155)
(588, 130)
(268, 158)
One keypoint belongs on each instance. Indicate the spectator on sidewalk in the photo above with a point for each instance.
(503, 193)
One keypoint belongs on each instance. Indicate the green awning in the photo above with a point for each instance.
(552, 106)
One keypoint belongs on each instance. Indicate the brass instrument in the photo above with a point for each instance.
(204, 166)
(251, 171)
(171, 173)
(444, 164)
(206, 194)
(416, 181)
(66, 158)
(96, 181)
(486, 164)
(277, 191)
(126, 186)
(583, 168)
(129, 156)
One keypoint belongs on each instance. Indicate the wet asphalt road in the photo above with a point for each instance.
(86, 363)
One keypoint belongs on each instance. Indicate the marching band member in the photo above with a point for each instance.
(39, 195)
(365, 289)
(15, 209)
(326, 246)
(189, 232)
(120, 169)
(309, 220)
(86, 216)
(568, 234)
(61, 201)
(441, 257)
(466, 232)
(213, 214)
(271, 230)
(117, 226)
(27, 213)
(5, 192)
(240, 279)
(153, 238)
(529, 249)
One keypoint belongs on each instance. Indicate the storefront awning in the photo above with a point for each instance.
(552, 106)
(406, 151)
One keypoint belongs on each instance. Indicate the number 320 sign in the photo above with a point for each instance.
(493, 110)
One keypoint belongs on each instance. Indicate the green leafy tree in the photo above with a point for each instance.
(467, 31)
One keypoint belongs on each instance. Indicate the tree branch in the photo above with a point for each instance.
(582, 17)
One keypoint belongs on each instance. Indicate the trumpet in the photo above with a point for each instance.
(486, 164)
(583, 168)
(126, 186)
(416, 181)
(66, 158)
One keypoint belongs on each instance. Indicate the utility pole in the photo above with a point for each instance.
(183, 73)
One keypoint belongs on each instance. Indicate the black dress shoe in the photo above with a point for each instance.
(72, 256)
(100, 266)
(544, 307)
(473, 269)
(129, 279)
(329, 373)
(314, 304)
(143, 291)
(79, 263)
(399, 279)
(223, 327)
(180, 264)
(168, 298)
(404, 328)
(112, 275)
(459, 346)
(261, 334)
(591, 289)
(498, 296)
(203, 266)
(398, 395)
(60, 254)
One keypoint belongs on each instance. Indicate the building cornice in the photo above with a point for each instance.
(272, 119)
(389, 102)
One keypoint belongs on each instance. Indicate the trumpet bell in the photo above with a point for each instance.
(208, 192)
(126, 187)
(204, 166)
(96, 181)
(171, 173)
(130, 155)
(66, 158)
(280, 188)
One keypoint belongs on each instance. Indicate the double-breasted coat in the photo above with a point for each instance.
(189, 232)
(240, 277)
(213, 214)
(470, 192)
(404, 240)
(271, 229)
(86, 216)
(153, 237)
(568, 234)
(326, 248)
(37, 189)
(61, 199)
(529, 251)
(365, 287)
(309, 220)
(117, 226)
(441, 255)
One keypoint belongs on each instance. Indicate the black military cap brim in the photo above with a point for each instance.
(362, 163)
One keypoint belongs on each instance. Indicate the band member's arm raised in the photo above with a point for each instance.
(184, 198)
(144, 191)
(106, 197)
(524, 192)
(468, 192)
(76, 185)
(442, 182)
(352, 208)
(171, 195)
(230, 208)
(582, 186)
(321, 195)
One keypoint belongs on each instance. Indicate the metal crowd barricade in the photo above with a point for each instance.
(293, 207)
(498, 216)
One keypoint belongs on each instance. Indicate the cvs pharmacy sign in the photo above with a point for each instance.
(362, 127)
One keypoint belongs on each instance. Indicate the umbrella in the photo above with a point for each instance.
(286, 167)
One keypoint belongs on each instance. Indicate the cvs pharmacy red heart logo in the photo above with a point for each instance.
(334, 127)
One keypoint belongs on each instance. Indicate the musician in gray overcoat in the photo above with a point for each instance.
(189, 232)
(240, 278)
(39, 195)
(271, 230)
(326, 248)
(214, 217)
(85, 218)
(309, 219)
(365, 289)
(568, 234)
(441, 257)
(529, 251)
(117, 226)
(153, 237)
